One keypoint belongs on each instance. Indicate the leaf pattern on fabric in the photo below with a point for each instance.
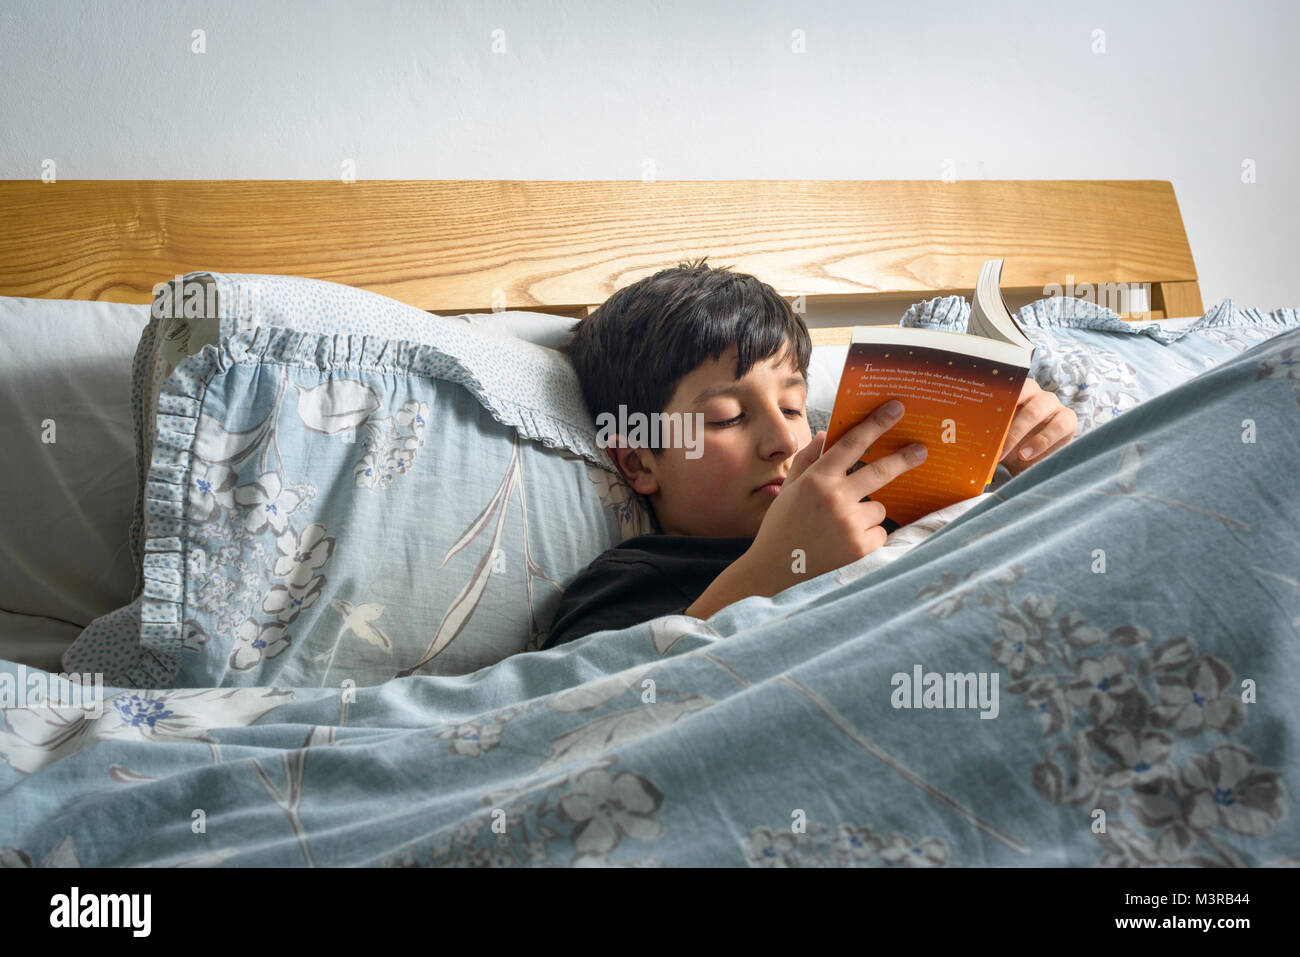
(336, 405)
(667, 631)
(217, 446)
(462, 607)
(608, 732)
(467, 601)
(63, 855)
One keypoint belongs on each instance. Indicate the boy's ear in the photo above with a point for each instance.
(635, 465)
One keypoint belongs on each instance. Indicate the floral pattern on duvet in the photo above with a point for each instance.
(598, 808)
(1114, 707)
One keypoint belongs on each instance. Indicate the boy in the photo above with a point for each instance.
(696, 340)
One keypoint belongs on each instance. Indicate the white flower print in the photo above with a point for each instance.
(605, 808)
(286, 603)
(214, 591)
(302, 554)
(1095, 384)
(1240, 339)
(393, 445)
(1229, 789)
(367, 471)
(473, 739)
(268, 503)
(1200, 699)
(39, 736)
(254, 643)
(401, 456)
(855, 844)
(1100, 682)
(1139, 760)
(927, 852)
(633, 517)
(413, 415)
(212, 490)
(766, 848)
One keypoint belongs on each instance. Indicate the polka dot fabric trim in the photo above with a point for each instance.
(111, 645)
(142, 401)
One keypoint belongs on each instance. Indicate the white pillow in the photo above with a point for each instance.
(65, 370)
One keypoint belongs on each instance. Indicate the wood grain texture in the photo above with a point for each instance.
(1177, 299)
(473, 245)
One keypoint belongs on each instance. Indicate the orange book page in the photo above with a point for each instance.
(958, 406)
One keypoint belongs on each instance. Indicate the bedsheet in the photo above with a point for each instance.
(1094, 665)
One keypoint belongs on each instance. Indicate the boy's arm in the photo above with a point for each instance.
(738, 580)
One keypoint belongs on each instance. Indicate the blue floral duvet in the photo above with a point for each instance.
(1094, 666)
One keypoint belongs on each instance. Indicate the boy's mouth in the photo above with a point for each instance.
(771, 488)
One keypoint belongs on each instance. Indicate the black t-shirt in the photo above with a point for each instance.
(643, 578)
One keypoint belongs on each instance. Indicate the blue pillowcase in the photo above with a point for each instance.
(324, 506)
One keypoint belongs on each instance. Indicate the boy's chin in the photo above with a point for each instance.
(749, 529)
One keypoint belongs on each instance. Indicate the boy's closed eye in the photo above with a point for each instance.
(797, 413)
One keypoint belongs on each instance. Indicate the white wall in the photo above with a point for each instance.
(1185, 91)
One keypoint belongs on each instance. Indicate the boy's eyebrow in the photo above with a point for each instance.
(734, 387)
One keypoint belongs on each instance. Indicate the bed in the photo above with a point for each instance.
(297, 476)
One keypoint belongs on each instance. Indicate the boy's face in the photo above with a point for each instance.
(751, 435)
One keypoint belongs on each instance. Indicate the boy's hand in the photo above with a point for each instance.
(1041, 424)
(820, 511)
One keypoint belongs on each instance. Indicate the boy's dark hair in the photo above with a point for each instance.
(640, 342)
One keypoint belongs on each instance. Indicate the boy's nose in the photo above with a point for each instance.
(782, 436)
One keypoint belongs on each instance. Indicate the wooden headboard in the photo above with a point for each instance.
(453, 246)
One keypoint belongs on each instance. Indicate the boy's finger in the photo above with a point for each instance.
(1043, 445)
(807, 455)
(1014, 444)
(1031, 419)
(853, 444)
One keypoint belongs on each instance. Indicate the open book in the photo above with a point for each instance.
(959, 392)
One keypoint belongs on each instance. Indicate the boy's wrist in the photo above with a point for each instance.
(741, 579)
